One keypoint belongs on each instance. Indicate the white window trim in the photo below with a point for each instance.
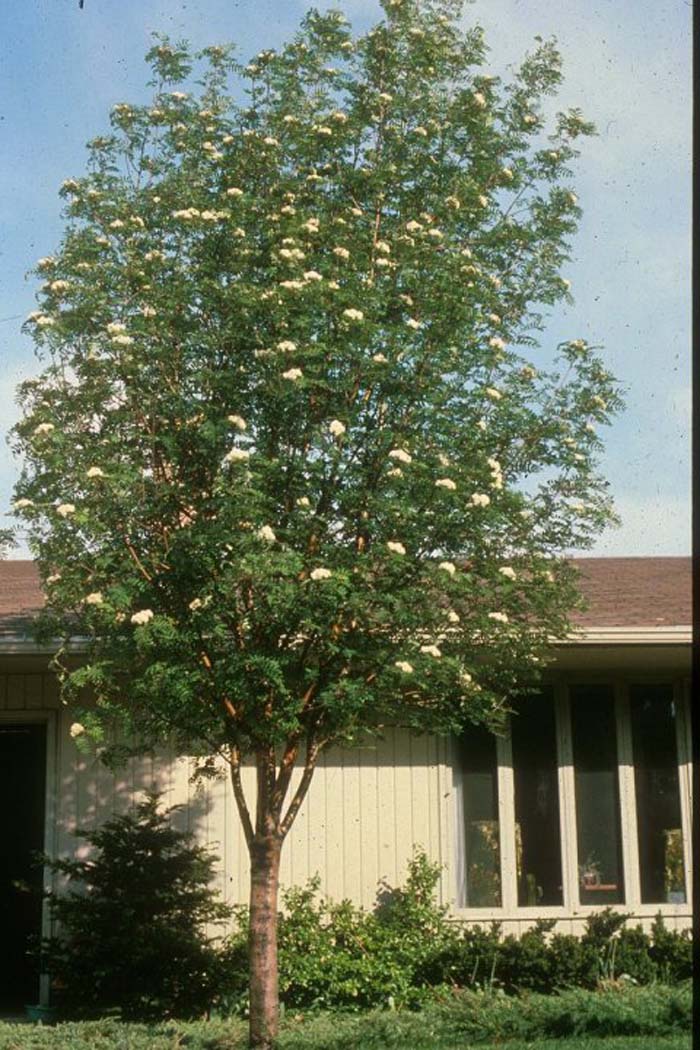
(572, 908)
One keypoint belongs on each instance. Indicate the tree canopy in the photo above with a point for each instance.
(296, 465)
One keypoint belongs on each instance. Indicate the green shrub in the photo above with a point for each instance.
(407, 952)
(131, 924)
(671, 952)
(341, 956)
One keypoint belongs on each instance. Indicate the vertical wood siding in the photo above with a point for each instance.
(368, 809)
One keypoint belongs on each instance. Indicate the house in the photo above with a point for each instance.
(585, 803)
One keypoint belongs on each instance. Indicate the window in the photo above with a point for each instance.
(598, 830)
(536, 790)
(657, 789)
(482, 849)
(586, 802)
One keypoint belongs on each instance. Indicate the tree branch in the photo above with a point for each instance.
(284, 777)
(265, 765)
(234, 759)
(313, 749)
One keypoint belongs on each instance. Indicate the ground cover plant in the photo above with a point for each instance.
(655, 1018)
(297, 466)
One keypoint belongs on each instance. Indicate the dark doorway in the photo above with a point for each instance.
(22, 797)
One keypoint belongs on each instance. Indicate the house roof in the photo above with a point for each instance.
(635, 592)
(621, 592)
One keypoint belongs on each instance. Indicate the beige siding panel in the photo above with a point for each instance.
(403, 804)
(386, 808)
(421, 776)
(353, 882)
(332, 791)
(369, 820)
(34, 692)
(16, 692)
(51, 694)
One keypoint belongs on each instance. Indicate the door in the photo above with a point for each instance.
(22, 801)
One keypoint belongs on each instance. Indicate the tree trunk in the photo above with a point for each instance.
(265, 853)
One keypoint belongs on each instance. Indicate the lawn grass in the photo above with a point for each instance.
(655, 1017)
(227, 1036)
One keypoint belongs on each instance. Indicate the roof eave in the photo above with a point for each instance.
(677, 634)
(16, 645)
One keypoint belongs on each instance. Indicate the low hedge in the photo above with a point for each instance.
(407, 950)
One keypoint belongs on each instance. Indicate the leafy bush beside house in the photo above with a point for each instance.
(132, 939)
(130, 928)
(407, 951)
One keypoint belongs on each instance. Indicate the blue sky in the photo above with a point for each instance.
(627, 65)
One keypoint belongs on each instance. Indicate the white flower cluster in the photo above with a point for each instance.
(493, 394)
(237, 455)
(480, 499)
(396, 548)
(448, 566)
(336, 428)
(320, 574)
(291, 254)
(499, 617)
(266, 533)
(431, 650)
(404, 665)
(64, 510)
(292, 374)
(94, 598)
(445, 483)
(237, 421)
(508, 572)
(400, 455)
(44, 428)
(94, 472)
(496, 473)
(143, 616)
(351, 314)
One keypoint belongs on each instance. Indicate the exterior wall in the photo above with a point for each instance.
(366, 811)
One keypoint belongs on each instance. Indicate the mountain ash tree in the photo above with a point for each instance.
(296, 465)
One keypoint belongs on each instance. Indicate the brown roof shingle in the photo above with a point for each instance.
(635, 592)
(21, 596)
(621, 592)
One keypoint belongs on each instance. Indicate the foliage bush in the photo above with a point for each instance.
(130, 933)
(407, 952)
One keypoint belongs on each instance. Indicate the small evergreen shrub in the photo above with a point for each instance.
(130, 928)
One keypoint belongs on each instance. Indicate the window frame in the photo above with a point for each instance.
(572, 907)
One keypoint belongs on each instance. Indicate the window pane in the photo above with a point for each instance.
(659, 833)
(481, 832)
(537, 834)
(597, 795)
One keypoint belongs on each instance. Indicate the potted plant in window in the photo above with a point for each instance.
(589, 872)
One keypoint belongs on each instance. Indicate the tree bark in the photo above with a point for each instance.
(265, 853)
